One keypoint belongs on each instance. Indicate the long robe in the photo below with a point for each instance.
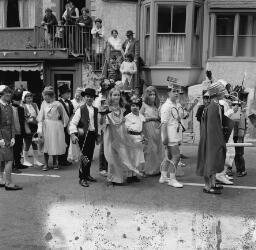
(212, 147)
(120, 150)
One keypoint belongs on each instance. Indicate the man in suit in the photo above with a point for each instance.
(132, 46)
(19, 125)
(64, 99)
(84, 130)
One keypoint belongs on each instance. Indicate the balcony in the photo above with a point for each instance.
(40, 43)
(75, 40)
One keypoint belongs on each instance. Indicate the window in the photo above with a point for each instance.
(17, 13)
(196, 36)
(235, 35)
(13, 14)
(147, 34)
(171, 33)
(247, 36)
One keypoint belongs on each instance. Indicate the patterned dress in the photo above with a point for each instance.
(7, 131)
(154, 150)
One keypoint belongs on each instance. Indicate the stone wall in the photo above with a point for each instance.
(116, 15)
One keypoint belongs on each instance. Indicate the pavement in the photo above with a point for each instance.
(54, 212)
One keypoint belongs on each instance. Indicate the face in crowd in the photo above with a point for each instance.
(114, 33)
(115, 97)
(29, 99)
(152, 97)
(135, 108)
(173, 94)
(89, 100)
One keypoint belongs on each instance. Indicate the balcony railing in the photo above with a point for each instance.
(77, 40)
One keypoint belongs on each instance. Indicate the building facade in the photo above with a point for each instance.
(178, 38)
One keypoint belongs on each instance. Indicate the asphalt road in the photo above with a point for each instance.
(54, 212)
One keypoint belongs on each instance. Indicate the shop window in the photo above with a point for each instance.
(171, 34)
(13, 14)
(235, 35)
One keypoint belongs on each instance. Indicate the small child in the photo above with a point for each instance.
(134, 124)
(59, 35)
(128, 69)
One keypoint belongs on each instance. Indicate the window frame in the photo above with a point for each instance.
(172, 4)
(212, 36)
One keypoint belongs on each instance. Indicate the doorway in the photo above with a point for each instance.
(63, 78)
(78, 3)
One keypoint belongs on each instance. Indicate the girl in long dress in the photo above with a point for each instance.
(51, 122)
(121, 148)
(154, 151)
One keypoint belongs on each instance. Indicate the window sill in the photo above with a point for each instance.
(232, 59)
(15, 29)
(172, 67)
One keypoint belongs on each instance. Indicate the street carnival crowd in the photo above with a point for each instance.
(137, 137)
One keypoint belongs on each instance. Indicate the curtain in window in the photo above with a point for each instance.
(31, 13)
(170, 48)
(21, 12)
(3, 13)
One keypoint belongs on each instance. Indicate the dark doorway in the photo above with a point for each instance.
(78, 3)
(13, 14)
(60, 79)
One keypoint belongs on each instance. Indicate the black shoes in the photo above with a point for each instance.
(13, 188)
(91, 179)
(241, 174)
(132, 179)
(83, 183)
(16, 171)
(183, 156)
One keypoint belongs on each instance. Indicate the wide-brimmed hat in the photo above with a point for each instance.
(90, 92)
(64, 89)
(216, 88)
(48, 10)
(129, 33)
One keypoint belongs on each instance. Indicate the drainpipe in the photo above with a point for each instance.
(138, 15)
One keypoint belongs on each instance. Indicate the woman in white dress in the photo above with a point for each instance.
(51, 122)
(114, 46)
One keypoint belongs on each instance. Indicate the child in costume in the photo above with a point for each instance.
(7, 139)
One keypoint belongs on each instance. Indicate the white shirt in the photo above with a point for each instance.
(134, 122)
(76, 118)
(116, 43)
(174, 136)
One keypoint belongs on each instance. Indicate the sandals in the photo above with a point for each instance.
(241, 174)
(211, 191)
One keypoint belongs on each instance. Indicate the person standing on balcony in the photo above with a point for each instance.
(50, 22)
(98, 35)
(85, 24)
(131, 46)
(65, 93)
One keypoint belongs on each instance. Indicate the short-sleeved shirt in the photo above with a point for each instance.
(134, 122)
(174, 131)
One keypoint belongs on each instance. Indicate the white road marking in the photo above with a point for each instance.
(40, 175)
(225, 186)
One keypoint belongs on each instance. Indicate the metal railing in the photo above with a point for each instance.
(77, 40)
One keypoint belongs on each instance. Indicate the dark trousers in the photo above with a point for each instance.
(17, 149)
(63, 158)
(103, 164)
(239, 156)
(87, 148)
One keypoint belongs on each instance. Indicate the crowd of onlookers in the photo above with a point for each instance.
(119, 60)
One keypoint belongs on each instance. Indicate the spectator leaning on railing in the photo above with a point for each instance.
(85, 22)
(49, 21)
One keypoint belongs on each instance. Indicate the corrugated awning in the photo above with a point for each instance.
(21, 67)
(232, 4)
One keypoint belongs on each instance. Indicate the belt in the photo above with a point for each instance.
(134, 133)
